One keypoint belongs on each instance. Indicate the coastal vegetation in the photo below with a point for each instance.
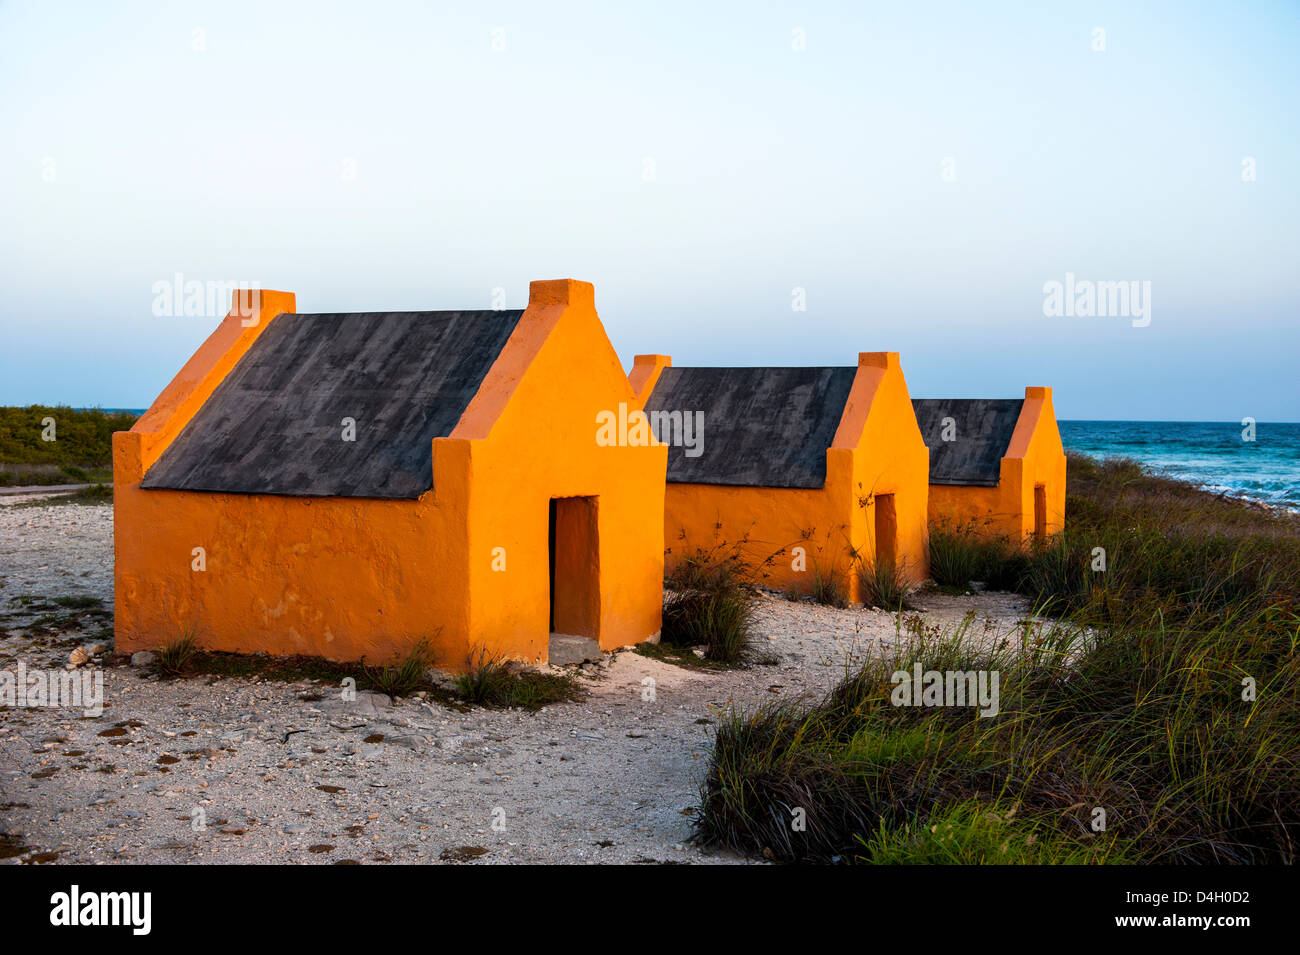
(1148, 711)
(45, 445)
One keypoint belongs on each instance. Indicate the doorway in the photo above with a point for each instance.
(886, 532)
(1040, 512)
(575, 567)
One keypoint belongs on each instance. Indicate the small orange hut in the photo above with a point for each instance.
(810, 472)
(995, 464)
(345, 484)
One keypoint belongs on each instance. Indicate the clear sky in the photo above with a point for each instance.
(921, 170)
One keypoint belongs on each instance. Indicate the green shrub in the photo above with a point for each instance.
(955, 557)
(405, 676)
(83, 437)
(828, 587)
(489, 681)
(884, 584)
(79, 602)
(709, 602)
(175, 656)
(984, 833)
(962, 553)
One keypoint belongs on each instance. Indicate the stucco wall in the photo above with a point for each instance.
(763, 525)
(343, 578)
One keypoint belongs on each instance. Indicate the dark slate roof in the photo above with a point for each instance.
(275, 424)
(982, 432)
(763, 427)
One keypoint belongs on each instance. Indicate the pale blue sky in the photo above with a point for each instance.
(478, 168)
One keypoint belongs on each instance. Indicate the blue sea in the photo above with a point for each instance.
(1211, 454)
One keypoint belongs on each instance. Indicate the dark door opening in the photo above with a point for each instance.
(575, 567)
(1040, 512)
(551, 538)
(886, 532)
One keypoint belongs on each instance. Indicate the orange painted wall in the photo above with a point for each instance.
(1034, 456)
(535, 428)
(349, 578)
(960, 505)
(891, 458)
(877, 449)
(765, 524)
(336, 577)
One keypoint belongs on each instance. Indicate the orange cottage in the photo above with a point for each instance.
(811, 472)
(995, 464)
(345, 484)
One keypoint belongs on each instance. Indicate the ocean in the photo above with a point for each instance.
(1211, 454)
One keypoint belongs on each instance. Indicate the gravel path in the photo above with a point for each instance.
(241, 770)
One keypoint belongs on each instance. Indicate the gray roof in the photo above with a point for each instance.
(982, 429)
(274, 425)
(763, 427)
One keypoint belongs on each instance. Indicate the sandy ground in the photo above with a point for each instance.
(245, 770)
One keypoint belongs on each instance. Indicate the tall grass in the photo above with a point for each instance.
(828, 587)
(491, 681)
(1156, 720)
(1168, 550)
(709, 602)
(1149, 727)
(962, 553)
(883, 583)
(977, 832)
(407, 674)
(175, 655)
